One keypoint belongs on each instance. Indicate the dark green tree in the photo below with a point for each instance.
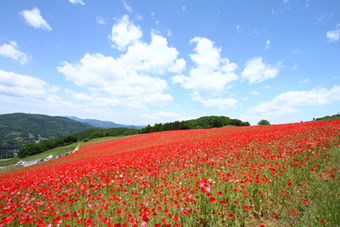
(263, 122)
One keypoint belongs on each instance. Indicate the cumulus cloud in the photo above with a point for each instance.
(77, 2)
(27, 90)
(286, 103)
(211, 75)
(11, 51)
(333, 36)
(257, 71)
(130, 80)
(34, 19)
(125, 33)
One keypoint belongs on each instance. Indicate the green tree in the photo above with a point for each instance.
(263, 122)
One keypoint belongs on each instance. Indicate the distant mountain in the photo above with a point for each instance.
(18, 129)
(104, 124)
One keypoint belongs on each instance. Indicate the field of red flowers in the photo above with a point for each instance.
(233, 176)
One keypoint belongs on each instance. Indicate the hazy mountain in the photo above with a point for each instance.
(103, 124)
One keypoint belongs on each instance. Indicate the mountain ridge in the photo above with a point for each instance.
(103, 124)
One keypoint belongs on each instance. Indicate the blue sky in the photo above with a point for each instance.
(141, 62)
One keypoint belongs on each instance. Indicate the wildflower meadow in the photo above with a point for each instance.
(273, 175)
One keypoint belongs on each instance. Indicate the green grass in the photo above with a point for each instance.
(9, 162)
(329, 118)
(55, 151)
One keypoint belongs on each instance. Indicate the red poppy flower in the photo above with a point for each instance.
(212, 199)
(118, 211)
(294, 212)
(231, 216)
(245, 208)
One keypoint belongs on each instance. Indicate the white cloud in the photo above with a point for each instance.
(304, 81)
(27, 90)
(161, 116)
(168, 114)
(238, 28)
(295, 67)
(33, 18)
(333, 36)
(183, 8)
(156, 57)
(211, 75)
(100, 20)
(77, 2)
(245, 99)
(127, 80)
(106, 77)
(222, 103)
(285, 103)
(127, 6)
(125, 33)
(257, 71)
(78, 96)
(254, 93)
(268, 44)
(11, 51)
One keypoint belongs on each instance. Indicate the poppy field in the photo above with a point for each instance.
(273, 175)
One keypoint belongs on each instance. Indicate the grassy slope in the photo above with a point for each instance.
(55, 151)
(329, 118)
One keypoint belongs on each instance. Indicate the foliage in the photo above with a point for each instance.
(6, 154)
(37, 148)
(202, 122)
(102, 132)
(19, 129)
(263, 122)
(232, 176)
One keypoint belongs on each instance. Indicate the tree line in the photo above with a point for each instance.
(200, 123)
(86, 135)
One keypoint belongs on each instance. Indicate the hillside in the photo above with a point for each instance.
(272, 175)
(18, 129)
(103, 124)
